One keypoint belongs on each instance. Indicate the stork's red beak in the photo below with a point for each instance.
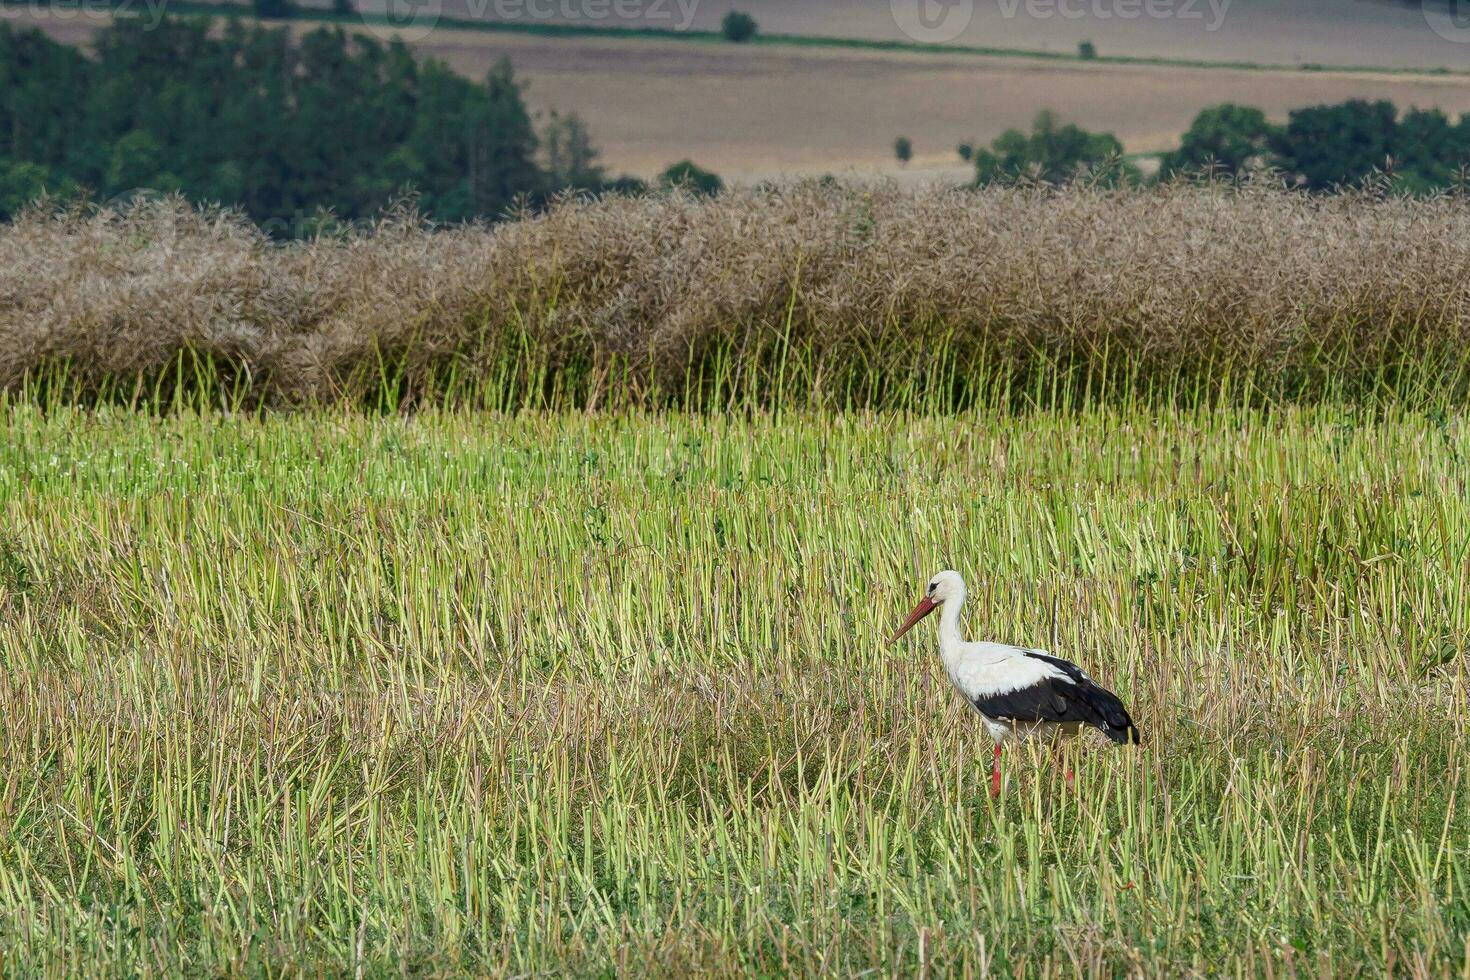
(925, 607)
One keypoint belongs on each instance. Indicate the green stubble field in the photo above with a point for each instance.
(449, 693)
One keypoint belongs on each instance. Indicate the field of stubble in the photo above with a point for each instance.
(336, 693)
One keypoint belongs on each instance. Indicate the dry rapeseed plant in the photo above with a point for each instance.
(802, 292)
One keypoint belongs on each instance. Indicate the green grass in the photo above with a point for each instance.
(330, 693)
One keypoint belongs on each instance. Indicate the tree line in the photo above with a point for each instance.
(330, 125)
(287, 129)
(1319, 148)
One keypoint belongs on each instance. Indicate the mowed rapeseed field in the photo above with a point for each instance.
(334, 692)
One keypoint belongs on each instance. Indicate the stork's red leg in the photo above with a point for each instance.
(995, 773)
(1060, 752)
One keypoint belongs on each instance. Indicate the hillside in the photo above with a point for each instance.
(753, 112)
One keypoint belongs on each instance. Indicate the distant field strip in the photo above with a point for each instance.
(757, 111)
(542, 28)
(455, 693)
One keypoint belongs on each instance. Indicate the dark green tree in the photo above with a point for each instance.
(472, 153)
(282, 127)
(571, 160)
(273, 9)
(1228, 139)
(903, 150)
(1054, 153)
(24, 183)
(1429, 152)
(1328, 146)
(686, 175)
(738, 27)
(138, 163)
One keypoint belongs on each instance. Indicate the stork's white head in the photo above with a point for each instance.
(946, 587)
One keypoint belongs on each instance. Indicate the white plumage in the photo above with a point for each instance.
(1020, 693)
(983, 671)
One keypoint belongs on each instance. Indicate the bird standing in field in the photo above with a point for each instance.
(1021, 694)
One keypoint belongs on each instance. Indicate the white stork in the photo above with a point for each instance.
(1021, 694)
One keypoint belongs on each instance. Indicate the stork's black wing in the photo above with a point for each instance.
(1070, 698)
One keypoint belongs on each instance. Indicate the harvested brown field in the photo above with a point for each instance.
(1378, 33)
(798, 295)
(753, 113)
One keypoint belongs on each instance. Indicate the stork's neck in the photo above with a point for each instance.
(949, 628)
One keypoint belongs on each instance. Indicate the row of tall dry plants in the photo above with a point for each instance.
(795, 295)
